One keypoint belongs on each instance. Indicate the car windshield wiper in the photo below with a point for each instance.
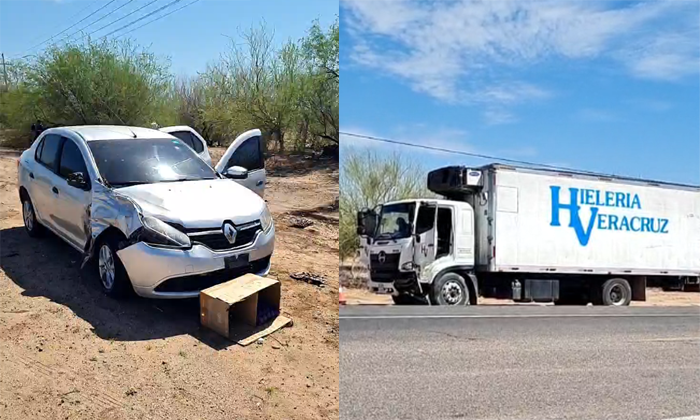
(127, 183)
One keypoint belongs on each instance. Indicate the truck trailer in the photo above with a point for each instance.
(533, 235)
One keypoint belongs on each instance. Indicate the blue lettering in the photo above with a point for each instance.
(574, 218)
(619, 199)
(609, 198)
(624, 224)
(596, 199)
(601, 221)
(635, 219)
(653, 228)
(636, 203)
(612, 222)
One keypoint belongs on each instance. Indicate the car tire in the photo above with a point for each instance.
(450, 290)
(31, 224)
(616, 292)
(110, 270)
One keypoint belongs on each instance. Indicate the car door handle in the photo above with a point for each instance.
(259, 183)
(55, 190)
(31, 175)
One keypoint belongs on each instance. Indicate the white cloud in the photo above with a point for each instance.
(462, 51)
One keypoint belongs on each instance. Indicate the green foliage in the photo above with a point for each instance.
(368, 179)
(289, 91)
(92, 83)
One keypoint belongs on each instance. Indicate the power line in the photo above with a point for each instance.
(121, 18)
(158, 18)
(473, 155)
(63, 31)
(95, 21)
(71, 18)
(143, 17)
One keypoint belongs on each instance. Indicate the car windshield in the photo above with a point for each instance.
(146, 161)
(395, 221)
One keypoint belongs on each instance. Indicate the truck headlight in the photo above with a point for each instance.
(266, 219)
(157, 232)
(407, 266)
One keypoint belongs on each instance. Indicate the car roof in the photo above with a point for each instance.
(113, 132)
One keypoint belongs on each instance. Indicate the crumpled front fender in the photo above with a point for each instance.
(109, 209)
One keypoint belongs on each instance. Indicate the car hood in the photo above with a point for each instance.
(197, 204)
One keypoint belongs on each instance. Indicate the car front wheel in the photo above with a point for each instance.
(113, 278)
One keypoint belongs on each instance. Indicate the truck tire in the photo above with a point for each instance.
(450, 290)
(616, 292)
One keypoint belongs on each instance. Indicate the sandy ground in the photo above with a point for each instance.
(655, 297)
(69, 352)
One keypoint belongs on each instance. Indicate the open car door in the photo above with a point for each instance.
(244, 162)
(192, 138)
(424, 250)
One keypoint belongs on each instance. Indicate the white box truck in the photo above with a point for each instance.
(533, 235)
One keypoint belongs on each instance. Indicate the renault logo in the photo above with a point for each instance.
(230, 232)
(382, 257)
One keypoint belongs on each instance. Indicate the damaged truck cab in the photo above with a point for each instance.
(158, 219)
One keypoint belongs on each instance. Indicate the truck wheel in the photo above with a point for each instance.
(451, 290)
(616, 292)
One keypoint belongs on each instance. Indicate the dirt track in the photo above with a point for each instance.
(67, 351)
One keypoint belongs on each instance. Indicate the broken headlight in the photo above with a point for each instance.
(157, 232)
(266, 219)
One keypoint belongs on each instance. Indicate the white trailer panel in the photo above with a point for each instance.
(544, 221)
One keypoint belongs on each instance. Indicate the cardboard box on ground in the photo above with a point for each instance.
(243, 309)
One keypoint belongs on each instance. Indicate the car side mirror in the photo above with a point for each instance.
(78, 180)
(236, 172)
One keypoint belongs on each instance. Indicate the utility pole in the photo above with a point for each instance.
(4, 70)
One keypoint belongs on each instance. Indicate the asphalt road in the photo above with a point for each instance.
(519, 363)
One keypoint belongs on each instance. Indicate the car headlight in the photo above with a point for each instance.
(266, 219)
(157, 232)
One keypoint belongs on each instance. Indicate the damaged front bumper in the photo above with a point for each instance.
(167, 273)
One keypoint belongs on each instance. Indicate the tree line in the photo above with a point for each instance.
(289, 91)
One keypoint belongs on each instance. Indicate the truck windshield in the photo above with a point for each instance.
(146, 161)
(395, 221)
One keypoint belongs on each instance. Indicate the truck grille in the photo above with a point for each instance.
(200, 282)
(215, 239)
(384, 272)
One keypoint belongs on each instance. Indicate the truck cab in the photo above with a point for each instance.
(412, 244)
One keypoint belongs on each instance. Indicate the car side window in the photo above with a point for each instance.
(197, 144)
(186, 138)
(49, 151)
(248, 155)
(37, 154)
(71, 160)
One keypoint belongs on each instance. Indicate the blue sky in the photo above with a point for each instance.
(191, 37)
(608, 86)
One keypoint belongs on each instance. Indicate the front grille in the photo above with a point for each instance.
(384, 272)
(215, 239)
(200, 282)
